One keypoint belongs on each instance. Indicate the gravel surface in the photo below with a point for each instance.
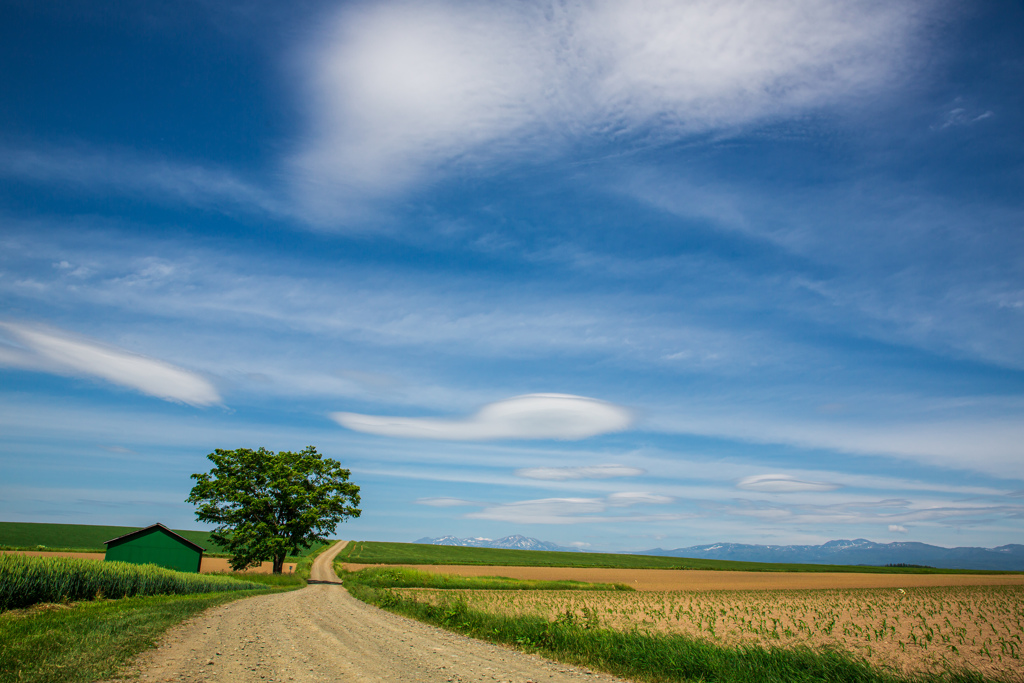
(321, 633)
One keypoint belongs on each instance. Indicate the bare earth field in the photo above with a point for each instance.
(704, 580)
(321, 633)
(208, 565)
(910, 630)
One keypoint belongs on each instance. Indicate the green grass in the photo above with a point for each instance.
(26, 580)
(89, 538)
(91, 641)
(399, 577)
(638, 655)
(370, 552)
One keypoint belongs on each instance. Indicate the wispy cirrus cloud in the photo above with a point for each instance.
(45, 349)
(533, 416)
(401, 88)
(584, 472)
(128, 173)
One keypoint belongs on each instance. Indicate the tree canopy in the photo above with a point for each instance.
(267, 505)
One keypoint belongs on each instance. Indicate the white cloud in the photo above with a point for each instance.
(60, 353)
(534, 416)
(897, 528)
(444, 502)
(628, 498)
(401, 89)
(575, 510)
(588, 472)
(544, 511)
(782, 483)
(984, 444)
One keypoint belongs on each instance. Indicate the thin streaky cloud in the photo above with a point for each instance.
(444, 502)
(533, 416)
(155, 178)
(61, 353)
(575, 510)
(585, 472)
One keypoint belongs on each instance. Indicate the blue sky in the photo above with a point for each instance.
(619, 275)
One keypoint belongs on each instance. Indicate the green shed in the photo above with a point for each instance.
(158, 545)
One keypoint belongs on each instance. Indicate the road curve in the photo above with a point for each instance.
(321, 633)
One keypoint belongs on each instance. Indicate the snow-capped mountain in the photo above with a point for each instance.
(858, 551)
(515, 541)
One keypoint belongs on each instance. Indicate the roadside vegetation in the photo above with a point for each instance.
(369, 552)
(25, 581)
(619, 632)
(90, 641)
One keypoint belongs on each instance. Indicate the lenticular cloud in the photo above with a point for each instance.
(782, 483)
(534, 416)
(57, 352)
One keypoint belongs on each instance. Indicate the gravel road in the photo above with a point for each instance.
(321, 633)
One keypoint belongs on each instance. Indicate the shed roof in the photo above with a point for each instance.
(160, 526)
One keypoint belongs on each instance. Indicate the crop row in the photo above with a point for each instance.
(27, 580)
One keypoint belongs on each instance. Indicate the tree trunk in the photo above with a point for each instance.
(278, 563)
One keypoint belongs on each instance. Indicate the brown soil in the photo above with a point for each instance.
(321, 633)
(696, 579)
(208, 565)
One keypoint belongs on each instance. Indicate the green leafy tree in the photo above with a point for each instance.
(267, 505)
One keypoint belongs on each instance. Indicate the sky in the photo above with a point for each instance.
(612, 275)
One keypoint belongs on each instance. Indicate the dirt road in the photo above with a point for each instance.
(321, 633)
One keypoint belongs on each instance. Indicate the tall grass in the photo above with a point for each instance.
(26, 580)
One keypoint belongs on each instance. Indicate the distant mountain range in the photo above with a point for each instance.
(516, 542)
(856, 552)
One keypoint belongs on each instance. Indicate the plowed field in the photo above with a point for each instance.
(697, 579)
(911, 630)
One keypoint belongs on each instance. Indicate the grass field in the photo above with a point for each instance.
(616, 632)
(87, 537)
(369, 552)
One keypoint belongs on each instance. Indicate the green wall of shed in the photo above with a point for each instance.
(156, 547)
